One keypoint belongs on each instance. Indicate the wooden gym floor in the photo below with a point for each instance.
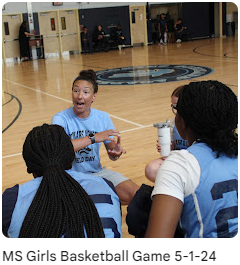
(33, 91)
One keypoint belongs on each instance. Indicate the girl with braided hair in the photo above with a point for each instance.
(198, 187)
(88, 128)
(58, 202)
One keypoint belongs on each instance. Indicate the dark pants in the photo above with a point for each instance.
(102, 43)
(87, 45)
(162, 34)
(180, 34)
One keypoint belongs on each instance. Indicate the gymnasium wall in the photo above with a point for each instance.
(21, 7)
(106, 17)
(197, 16)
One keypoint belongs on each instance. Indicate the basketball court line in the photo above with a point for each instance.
(140, 126)
(133, 129)
(69, 101)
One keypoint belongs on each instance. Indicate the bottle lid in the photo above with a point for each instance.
(162, 124)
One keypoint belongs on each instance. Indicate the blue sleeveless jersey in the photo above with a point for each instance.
(212, 210)
(101, 192)
(179, 142)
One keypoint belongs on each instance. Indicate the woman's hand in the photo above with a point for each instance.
(117, 151)
(105, 136)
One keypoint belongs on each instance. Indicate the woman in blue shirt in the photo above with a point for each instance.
(88, 128)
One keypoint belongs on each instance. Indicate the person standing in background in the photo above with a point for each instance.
(23, 41)
(162, 29)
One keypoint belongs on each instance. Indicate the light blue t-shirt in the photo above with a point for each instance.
(87, 160)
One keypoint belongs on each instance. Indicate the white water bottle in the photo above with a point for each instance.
(164, 137)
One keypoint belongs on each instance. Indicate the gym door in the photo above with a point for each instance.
(69, 30)
(49, 28)
(60, 31)
(138, 25)
(10, 32)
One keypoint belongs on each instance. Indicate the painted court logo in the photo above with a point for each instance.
(150, 74)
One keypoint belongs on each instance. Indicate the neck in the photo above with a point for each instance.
(82, 115)
(190, 136)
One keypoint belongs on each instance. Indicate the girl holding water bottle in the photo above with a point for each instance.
(177, 143)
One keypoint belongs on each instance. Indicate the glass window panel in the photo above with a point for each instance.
(53, 27)
(6, 28)
(133, 17)
(63, 20)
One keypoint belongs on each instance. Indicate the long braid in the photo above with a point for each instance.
(210, 109)
(61, 206)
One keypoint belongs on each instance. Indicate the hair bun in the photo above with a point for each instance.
(89, 74)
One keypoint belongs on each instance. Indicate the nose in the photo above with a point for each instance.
(80, 94)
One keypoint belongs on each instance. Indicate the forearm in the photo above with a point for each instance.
(81, 143)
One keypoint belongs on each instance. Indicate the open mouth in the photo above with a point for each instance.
(80, 104)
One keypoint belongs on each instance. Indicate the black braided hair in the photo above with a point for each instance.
(210, 109)
(90, 76)
(61, 206)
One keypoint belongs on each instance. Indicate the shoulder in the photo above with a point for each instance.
(181, 161)
(99, 112)
(66, 112)
(9, 199)
(62, 116)
(178, 175)
(183, 156)
(101, 116)
(93, 184)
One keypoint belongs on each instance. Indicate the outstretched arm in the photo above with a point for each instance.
(80, 143)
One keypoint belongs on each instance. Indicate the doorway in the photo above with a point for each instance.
(10, 32)
(138, 25)
(60, 30)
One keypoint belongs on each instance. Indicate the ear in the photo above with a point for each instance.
(94, 96)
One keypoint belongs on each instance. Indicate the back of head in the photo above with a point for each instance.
(61, 206)
(47, 145)
(210, 109)
(90, 76)
(24, 24)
